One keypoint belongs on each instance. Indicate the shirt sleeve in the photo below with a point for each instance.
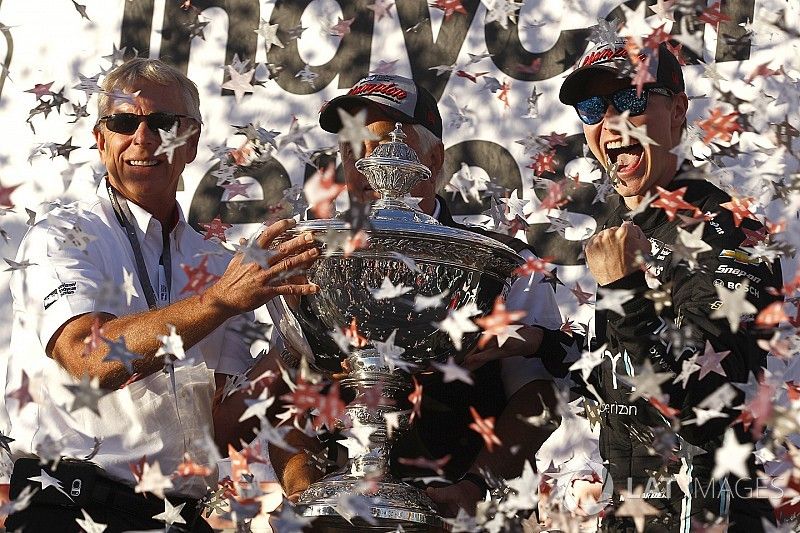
(235, 355)
(66, 277)
(537, 299)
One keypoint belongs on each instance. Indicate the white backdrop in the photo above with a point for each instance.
(50, 42)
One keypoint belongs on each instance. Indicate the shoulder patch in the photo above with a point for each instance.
(62, 290)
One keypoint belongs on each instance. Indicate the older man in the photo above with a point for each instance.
(673, 257)
(119, 285)
(506, 390)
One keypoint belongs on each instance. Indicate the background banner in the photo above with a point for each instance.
(264, 69)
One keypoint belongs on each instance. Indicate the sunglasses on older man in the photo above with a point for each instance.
(127, 123)
(593, 109)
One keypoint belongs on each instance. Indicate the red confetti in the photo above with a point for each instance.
(485, 428)
(497, 322)
(428, 464)
(189, 468)
(555, 197)
(449, 7)
(658, 36)
(533, 265)
(331, 408)
(772, 315)
(543, 162)
(663, 408)
(719, 126)
(415, 397)
(305, 396)
(713, 15)
(471, 77)
(199, 278)
(216, 228)
(740, 208)
(672, 202)
(356, 339)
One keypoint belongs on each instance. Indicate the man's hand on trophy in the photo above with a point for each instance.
(256, 275)
(512, 346)
(460, 495)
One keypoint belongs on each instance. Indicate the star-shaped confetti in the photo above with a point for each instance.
(449, 7)
(88, 525)
(458, 322)
(171, 344)
(388, 290)
(171, 514)
(452, 371)
(199, 277)
(710, 361)
(215, 229)
(354, 132)
(269, 32)
(733, 304)
(48, 481)
(86, 394)
(239, 83)
(740, 208)
(672, 202)
(153, 481)
(731, 457)
(500, 324)
(118, 351)
(719, 126)
(485, 428)
(171, 141)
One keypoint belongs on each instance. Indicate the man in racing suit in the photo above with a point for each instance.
(678, 292)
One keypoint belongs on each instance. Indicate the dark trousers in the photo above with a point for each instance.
(106, 501)
(48, 518)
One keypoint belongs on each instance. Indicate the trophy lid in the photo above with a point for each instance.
(392, 169)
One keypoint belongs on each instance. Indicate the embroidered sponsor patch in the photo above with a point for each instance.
(62, 290)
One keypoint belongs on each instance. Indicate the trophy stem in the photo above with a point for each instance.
(376, 388)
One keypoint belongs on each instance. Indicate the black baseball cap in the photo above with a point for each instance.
(402, 99)
(611, 57)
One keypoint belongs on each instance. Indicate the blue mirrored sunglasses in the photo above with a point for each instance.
(593, 109)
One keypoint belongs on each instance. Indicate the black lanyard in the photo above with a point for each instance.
(125, 218)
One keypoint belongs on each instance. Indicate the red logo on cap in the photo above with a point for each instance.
(603, 55)
(389, 90)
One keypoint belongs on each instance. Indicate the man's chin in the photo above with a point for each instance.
(631, 186)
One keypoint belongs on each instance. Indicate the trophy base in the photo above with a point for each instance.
(391, 503)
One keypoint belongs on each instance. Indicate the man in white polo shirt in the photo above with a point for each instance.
(113, 281)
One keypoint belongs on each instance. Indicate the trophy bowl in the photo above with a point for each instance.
(380, 315)
(452, 269)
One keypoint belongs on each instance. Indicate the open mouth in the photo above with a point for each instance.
(143, 162)
(627, 157)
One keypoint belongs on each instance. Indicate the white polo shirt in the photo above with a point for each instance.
(78, 255)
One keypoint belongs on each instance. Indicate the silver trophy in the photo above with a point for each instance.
(395, 336)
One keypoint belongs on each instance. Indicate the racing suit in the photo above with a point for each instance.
(645, 443)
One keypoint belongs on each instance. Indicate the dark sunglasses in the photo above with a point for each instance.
(127, 123)
(593, 109)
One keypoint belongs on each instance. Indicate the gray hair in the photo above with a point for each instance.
(130, 72)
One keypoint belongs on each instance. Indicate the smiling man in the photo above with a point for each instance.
(677, 327)
(118, 284)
